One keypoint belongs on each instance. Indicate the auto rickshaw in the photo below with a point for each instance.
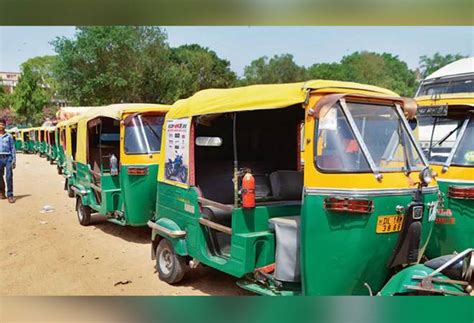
(15, 132)
(70, 148)
(117, 162)
(60, 134)
(52, 147)
(361, 210)
(42, 144)
(30, 140)
(446, 119)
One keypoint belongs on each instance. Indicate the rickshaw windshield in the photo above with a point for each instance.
(387, 143)
(143, 134)
(464, 154)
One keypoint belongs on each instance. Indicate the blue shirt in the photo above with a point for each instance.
(7, 146)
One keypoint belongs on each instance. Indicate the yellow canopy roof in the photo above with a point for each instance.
(115, 111)
(75, 117)
(262, 97)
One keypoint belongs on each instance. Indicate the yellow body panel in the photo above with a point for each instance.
(455, 173)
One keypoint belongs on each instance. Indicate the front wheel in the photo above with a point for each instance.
(170, 266)
(83, 212)
(70, 192)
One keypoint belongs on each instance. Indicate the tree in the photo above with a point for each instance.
(5, 98)
(30, 97)
(278, 69)
(44, 67)
(112, 64)
(384, 70)
(431, 64)
(201, 69)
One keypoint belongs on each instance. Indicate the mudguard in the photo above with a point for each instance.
(179, 244)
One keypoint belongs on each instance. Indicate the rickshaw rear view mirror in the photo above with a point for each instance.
(413, 123)
(209, 141)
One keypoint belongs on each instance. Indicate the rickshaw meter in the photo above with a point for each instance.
(248, 191)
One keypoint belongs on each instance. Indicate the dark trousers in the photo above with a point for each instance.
(6, 164)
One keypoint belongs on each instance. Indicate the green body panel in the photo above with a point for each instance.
(341, 251)
(126, 199)
(252, 244)
(105, 202)
(139, 194)
(397, 284)
(61, 158)
(448, 237)
(29, 146)
(18, 145)
(42, 147)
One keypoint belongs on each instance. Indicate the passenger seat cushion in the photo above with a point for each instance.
(287, 184)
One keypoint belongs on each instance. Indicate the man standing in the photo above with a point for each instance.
(7, 159)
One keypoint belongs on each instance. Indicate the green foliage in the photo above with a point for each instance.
(430, 64)
(201, 68)
(278, 69)
(384, 70)
(44, 67)
(30, 97)
(113, 64)
(5, 98)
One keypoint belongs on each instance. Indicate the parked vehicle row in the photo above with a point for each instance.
(219, 179)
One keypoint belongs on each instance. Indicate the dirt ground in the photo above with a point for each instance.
(51, 254)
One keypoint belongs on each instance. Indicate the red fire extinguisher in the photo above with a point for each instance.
(248, 191)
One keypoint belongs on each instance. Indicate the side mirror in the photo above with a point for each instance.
(208, 141)
(413, 123)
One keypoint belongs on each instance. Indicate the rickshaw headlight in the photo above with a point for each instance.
(426, 176)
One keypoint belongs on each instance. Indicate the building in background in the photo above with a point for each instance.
(9, 80)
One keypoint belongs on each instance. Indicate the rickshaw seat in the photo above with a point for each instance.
(217, 215)
(286, 185)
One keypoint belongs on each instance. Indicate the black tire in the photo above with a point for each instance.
(170, 266)
(83, 212)
(60, 170)
(70, 192)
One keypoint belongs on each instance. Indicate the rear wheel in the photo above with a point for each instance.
(83, 212)
(60, 170)
(170, 266)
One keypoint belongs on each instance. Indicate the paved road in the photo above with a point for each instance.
(51, 254)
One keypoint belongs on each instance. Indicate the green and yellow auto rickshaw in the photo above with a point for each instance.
(117, 162)
(25, 140)
(69, 170)
(29, 141)
(355, 220)
(35, 136)
(15, 132)
(51, 146)
(42, 142)
(60, 134)
(446, 119)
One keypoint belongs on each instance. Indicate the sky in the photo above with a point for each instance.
(240, 45)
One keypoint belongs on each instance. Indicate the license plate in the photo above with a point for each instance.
(389, 223)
